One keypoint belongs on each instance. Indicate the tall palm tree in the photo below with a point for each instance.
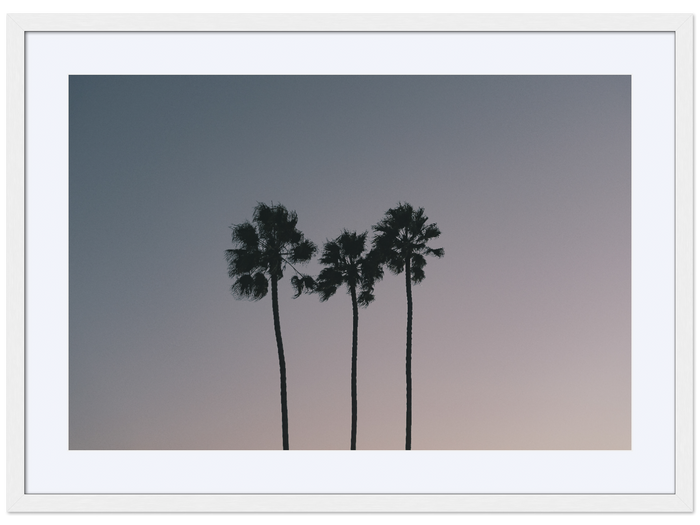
(347, 263)
(263, 249)
(401, 243)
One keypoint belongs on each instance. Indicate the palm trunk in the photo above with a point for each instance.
(409, 330)
(353, 373)
(283, 367)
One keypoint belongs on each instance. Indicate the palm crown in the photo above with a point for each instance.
(264, 248)
(402, 238)
(347, 263)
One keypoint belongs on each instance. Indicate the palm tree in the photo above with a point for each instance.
(347, 263)
(401, 244)
(263, 250)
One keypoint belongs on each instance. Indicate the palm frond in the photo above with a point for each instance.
(418, 263)
(365, 297)
(303, 284)
(302, 252)
(249, 286)
(244, 235)
(329, 278)
(332, 254)
(352, 244)
(430, 232)
(242, 261)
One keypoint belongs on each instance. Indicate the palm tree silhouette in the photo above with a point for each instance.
(347, 263)
(263, 249)
(401, 244)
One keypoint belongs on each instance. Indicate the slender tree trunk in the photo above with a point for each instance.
(409, 330)
(353, 374)
(283, 367)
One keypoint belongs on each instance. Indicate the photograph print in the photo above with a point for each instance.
(350, 262)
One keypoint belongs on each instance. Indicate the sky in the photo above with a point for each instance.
(521, 332)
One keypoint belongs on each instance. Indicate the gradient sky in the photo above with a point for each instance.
(521, 332)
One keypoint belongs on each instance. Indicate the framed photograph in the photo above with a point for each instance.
(350, 263)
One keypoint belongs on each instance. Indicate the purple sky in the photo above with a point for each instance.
(521, 332)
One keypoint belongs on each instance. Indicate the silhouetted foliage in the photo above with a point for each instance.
(401, 244)
(346, 262)
(263, 249)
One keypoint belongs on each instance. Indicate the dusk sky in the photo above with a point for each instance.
(521, 332)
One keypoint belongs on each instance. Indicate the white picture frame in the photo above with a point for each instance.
(680, 500)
